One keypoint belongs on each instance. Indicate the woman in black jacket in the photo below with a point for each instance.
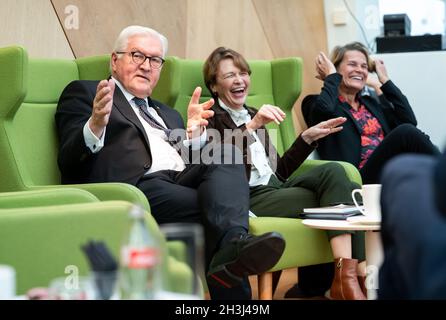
(376, 130)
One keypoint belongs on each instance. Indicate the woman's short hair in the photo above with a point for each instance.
(210, 67)
(338, 53)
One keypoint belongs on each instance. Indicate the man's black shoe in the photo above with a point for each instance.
(245, 256)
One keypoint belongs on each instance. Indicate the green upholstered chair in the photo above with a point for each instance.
(29, 92)
(41, 235)
(276, 82)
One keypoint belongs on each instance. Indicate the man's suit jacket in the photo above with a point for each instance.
(440, 183)
(413, 228)
(126, 154)
(286, 165)
(346, 144)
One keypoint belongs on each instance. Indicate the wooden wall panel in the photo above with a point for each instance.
(33, 25)
(296, 28)
(229, 23)
(100, 22)
(259, 29)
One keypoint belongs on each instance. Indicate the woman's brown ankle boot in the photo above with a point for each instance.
(345, 284)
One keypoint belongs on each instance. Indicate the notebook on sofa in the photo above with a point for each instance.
(337, 212)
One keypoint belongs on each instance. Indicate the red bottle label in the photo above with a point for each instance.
(139, 258)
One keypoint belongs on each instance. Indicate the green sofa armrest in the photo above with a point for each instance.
(351, 171)
(181, 275)
(316, 245)
(177, 250)
(41, 242)
(107, 192)
(49, 197)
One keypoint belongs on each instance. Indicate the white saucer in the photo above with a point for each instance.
(363, 220)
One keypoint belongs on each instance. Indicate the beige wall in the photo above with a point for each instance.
(34, 25)
(295, 28)
(229, 23)
(259, 29)
(100, 21)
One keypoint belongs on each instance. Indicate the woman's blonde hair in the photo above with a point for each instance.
(338, 53)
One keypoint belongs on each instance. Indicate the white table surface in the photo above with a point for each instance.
(374, 251)
(339, 225)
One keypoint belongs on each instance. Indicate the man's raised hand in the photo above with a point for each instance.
(198, 113)
(102, 106)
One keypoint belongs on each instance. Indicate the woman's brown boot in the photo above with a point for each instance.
(345, 284)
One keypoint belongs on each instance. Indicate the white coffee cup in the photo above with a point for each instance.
(371, 194)
(7, 282)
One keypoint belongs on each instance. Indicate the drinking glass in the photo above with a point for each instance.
(71, 288)
(186, 240)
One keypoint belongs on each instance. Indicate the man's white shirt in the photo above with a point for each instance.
(165, 157)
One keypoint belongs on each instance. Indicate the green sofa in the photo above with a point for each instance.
(41, 234)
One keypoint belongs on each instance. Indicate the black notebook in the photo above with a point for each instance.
(338, 212)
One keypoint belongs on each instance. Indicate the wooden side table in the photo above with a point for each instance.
(373, 246)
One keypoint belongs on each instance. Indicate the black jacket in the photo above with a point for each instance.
(285, 165)
(440, 183)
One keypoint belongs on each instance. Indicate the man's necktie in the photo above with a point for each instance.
(144, 112)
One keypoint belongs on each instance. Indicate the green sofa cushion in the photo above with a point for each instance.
(94, 68)
(35, 143)
(13, 76)
(47, 79)
(308, 246)
(40, 198)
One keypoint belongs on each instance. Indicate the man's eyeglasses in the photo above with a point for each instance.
(139, 58)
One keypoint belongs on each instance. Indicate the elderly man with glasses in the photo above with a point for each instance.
(112, 131)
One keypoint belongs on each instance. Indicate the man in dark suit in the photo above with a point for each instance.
(414, 228)
(112, 131)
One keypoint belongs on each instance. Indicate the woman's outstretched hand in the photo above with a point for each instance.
(323, 129)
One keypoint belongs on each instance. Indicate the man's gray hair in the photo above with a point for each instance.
(130, 31)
